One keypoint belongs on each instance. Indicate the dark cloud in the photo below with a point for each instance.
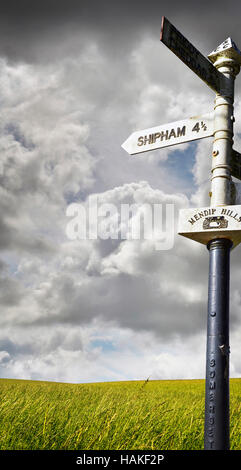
(13, 349)
(40, 31)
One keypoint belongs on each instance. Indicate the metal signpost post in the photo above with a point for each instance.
(216, 434)
(217, 226)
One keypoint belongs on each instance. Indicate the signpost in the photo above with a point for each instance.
(197, 62)
(217, 226)
(236, 165)
(209, 223)
(196, 127)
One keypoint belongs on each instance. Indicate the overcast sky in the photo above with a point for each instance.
(76, 79)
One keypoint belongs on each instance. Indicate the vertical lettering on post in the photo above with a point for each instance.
(211, 407)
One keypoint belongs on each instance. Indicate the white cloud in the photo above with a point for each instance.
(88, 310)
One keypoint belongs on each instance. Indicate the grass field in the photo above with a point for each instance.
(115, 415)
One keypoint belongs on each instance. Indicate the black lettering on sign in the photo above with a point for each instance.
(172, 134)
(148, 139)
(199, 127)
(181, 132)
(157, 135)
(196, 128)
(164, 134)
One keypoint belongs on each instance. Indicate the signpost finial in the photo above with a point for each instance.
(226, 52)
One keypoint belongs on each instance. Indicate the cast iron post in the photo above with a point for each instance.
(216, 433)
(216, 429)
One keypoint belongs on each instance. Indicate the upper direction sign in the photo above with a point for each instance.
(236, 165)
(196, 127)
(197, 62)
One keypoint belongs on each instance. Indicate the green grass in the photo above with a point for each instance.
(115, 415)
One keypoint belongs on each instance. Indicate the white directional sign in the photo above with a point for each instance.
(209, 223)
(196, 127)
(197, 62)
